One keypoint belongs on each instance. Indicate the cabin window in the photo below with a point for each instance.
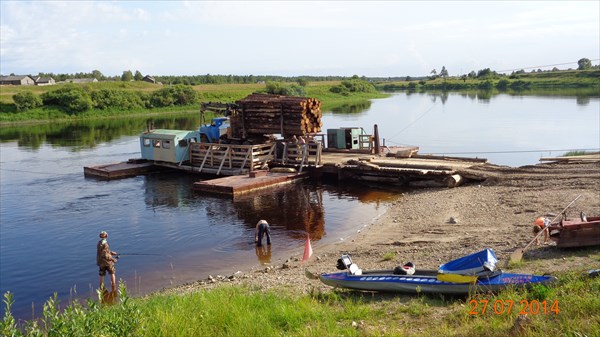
(147, 142)
(156, 143)
(183, 142)
(166, 144)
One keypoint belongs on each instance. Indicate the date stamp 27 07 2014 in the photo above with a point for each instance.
(505, 307)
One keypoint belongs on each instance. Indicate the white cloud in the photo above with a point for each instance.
(254, 37)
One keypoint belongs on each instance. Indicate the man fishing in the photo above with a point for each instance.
(106, 261)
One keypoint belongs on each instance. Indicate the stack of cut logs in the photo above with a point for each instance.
(274, 114)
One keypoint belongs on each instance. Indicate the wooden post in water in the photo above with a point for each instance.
(376, 136)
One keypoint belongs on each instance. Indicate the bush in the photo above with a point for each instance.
(174, 95)
(111, 98)
(278, 88)
(72, 98)
(27, 100)
(502, 84)
(340, 89)
(355, 84)
(519, 84)
(486, 85)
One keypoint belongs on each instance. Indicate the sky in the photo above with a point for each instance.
(295, 38)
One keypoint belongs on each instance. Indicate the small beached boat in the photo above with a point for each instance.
(472, 273)
(577, 232)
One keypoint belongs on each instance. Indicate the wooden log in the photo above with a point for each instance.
(454, 180)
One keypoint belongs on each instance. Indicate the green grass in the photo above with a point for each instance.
(389, 256)
(581, 82)
(207, 93)
(572, 306)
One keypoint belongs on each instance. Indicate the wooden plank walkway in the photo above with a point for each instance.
(244, 167)
(237, 185)
(129, 168)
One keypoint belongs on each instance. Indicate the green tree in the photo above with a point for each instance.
(302, 82)
(138, 76)
(127, 76)
(444, 72)
(433, 74)
(97, 75)
(584, 64)
(486, 73)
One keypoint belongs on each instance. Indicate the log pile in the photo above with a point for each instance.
(260, 114)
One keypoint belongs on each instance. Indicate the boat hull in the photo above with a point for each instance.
(427, 282)
(576, 232)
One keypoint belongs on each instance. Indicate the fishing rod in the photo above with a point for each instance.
(139, 254)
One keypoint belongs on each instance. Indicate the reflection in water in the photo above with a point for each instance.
(350, 109)
(89, 134)
(264, 254)
(298, 209)
(168, 189)
(292, 210)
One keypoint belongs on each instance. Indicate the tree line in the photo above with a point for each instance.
(128, 75)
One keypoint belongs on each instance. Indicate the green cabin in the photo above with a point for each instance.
(170, 146)
(345, 138)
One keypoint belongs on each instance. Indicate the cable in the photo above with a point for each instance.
(518, 151)
(416, 120)
(34, 172)
(548, 65)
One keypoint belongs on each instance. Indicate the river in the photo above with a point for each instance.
(50, 214)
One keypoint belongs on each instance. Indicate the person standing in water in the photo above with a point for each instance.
(106, 261)
(262, 228)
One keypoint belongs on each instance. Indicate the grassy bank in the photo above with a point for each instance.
(557, 80)
(568, 307)
(206, 93)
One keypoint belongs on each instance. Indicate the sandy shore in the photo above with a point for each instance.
(432, 226)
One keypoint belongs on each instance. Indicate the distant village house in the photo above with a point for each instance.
(16, 80)
(43, 80)
(81, 80)
(26, 80)
(149, 79)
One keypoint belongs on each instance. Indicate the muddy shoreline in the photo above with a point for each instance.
(434, 225)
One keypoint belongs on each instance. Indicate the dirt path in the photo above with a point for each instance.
(432, 226)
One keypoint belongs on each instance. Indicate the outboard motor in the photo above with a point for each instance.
(345, 263)
(406, 269)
